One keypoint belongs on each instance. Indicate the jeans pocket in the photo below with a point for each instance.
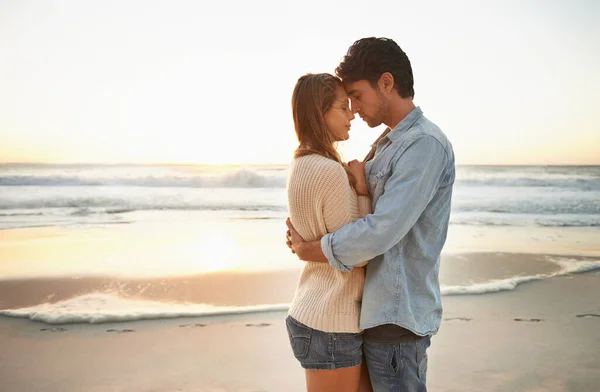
(395, 361)
(300, 336)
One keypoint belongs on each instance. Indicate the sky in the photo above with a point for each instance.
(508, 81)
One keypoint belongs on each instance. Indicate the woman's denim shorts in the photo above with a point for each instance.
(318, 350)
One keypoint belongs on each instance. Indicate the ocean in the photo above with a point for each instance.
(71, 195)
(140, 227)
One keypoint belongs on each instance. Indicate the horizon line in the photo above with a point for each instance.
(261, 164)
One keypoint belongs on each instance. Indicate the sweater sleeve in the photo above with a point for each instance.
(364, 206)
(337, 198)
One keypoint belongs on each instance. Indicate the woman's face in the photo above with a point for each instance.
(338, 117)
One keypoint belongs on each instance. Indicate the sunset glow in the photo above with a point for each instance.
(509, 82)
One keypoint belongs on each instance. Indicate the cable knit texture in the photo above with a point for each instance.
(320, 201)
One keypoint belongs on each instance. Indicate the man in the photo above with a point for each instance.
(410, 174)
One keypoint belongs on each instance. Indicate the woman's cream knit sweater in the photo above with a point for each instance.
(320, 201)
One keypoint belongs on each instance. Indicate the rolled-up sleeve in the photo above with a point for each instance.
(327, 248)
(415, 178)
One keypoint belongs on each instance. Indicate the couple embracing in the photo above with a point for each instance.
(368, 299)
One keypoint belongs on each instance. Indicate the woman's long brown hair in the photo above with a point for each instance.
(313, 96)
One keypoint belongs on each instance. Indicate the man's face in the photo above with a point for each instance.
(367, 101)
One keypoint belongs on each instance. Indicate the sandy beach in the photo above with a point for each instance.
(543, 336)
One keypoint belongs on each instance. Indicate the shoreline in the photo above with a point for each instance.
(60, 302)
(466, 273)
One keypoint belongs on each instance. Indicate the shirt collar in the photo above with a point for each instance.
(406, 123)
(384, 134)
(402, 126)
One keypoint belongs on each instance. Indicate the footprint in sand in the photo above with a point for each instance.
(258, 325)
(192, 325)
(59, 329)
(534, 320)
(120, 330)
(588, 315)
(458, 319)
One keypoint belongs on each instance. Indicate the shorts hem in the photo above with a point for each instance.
(330, 365)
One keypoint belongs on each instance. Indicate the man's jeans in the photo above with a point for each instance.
(398, 368)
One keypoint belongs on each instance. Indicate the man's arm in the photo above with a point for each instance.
(311, 250)
(306, 251)
(412, 185)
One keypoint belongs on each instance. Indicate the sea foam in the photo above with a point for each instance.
(98, 308)
(568, 267)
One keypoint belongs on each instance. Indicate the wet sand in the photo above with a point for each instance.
(231, 288)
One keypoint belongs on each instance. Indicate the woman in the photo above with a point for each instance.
(323, 195)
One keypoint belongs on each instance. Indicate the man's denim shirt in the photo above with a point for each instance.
(410, 179)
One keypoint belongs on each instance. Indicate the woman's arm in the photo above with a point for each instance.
(360, 177)
(362, 192)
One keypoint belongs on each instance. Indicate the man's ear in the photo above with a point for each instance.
(386, 82)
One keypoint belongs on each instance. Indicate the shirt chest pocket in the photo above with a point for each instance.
(377, 182)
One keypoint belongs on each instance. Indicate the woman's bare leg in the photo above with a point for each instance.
(339, 380)
(365, 380)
